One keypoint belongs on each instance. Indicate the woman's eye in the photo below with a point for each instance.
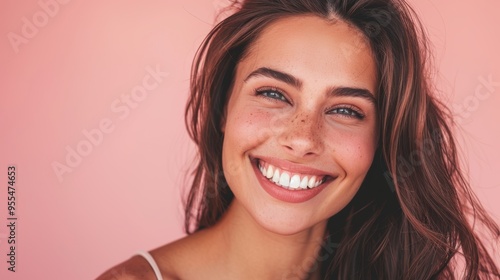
(271, 94)
(348, 112)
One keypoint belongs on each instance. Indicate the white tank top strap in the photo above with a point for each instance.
(152, 263)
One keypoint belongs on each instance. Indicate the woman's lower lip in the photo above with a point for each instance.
(292, 196)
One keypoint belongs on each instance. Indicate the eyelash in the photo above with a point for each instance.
(263, 91)
(349, 110)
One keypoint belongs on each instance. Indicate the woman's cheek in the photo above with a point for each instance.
(254, 126)
(353, 151)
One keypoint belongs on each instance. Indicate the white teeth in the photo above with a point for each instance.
(303, 183)
(295, 182)
(284, 179)
(312, 182)
(270, 172)
(276, 176)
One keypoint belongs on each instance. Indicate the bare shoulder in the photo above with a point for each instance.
(135, 268)
(131, 269)
(174, 259)
(171, 256)
(178, 258)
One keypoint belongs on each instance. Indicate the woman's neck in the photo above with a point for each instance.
(249, 251)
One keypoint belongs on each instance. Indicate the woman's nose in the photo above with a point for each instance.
(301, 135)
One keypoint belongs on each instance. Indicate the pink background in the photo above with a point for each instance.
(124, 196)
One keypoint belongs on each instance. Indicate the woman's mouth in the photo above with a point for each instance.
(289, 180)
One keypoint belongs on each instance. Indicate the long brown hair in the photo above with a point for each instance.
(415, 215)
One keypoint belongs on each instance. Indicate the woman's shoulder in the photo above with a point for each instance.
(177, 257)
(171, 258)
(134, 268)
(137, 267)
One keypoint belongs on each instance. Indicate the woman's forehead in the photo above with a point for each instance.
(310, 47)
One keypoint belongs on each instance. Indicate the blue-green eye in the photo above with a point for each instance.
(348, 112)
(271, 93)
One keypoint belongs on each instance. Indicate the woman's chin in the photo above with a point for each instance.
(285, 223)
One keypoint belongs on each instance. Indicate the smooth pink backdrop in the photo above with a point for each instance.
(71, 72)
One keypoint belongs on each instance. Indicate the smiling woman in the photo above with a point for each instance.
(306, 130)
(302, 111)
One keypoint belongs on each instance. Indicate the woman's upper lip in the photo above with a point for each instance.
(293, 167)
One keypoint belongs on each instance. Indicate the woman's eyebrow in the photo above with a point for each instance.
(297, 83)
(275, 74)
(353, 92)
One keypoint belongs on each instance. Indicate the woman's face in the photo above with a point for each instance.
(300, 130)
